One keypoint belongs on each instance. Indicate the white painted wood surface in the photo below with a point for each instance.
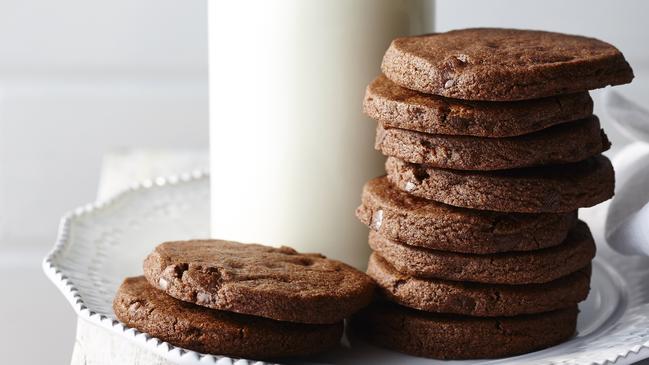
(98, 346)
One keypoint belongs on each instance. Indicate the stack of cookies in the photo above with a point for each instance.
(243, 300)
(492, 147)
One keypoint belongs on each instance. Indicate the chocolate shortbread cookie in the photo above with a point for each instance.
(478, 299)
(187, 325)
(277, 283)
(397, 107)
(565, 143)
(503, 64)
(539, 266)
(400, 216)
(558, 188)
(460, 337)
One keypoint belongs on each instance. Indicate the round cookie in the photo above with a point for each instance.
(565, 143)
(477, 299)
(183, 324)
(459, 337)
(549, 189)
(277, 283)
(539, 266)
(503, 64)
(402, 217)
(397, 107)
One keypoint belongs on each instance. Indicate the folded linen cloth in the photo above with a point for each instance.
(627, 218)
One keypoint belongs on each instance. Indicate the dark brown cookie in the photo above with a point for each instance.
(539, 266)
(397, 107)
(565, 143)
(459, 337)
(559, 188)
(276, 283)
(205, 330)
(477, 299)
(405, 218)
(503, 64)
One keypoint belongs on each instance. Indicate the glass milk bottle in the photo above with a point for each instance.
(290, 148)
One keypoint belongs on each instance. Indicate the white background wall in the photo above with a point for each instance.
(620, 22)
(81, 77)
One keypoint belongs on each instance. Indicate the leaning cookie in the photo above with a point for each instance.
(402, 217)
(478, 299)
(397, 107)
(276, 283)
(526, 267)
(503, 64)
(183, 324)
(549, 189)
(460, 337)
(565, 143)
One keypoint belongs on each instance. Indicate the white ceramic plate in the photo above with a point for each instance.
(100, 244)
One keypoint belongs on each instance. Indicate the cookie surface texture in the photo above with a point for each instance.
(503, 64)
(397, 215)
(565, 143)
(478, 299)
(544, 189)
(397, 107)
(276, 283)
(525, 267)
(460, 337)
(205, 330)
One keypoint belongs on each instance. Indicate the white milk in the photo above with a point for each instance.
(290, 148)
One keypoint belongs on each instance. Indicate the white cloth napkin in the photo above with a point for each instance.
(627, 218)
